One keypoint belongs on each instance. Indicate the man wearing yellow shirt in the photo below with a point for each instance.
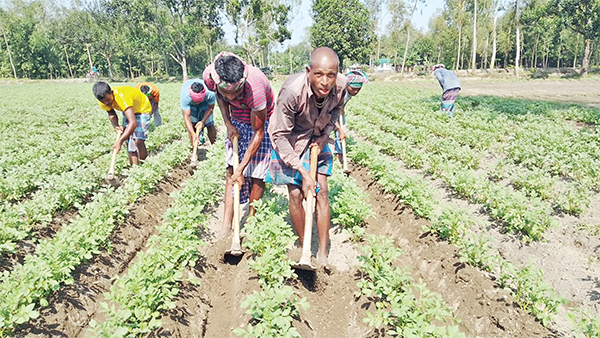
(136, 110)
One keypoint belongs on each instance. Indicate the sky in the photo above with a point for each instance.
(302, 20)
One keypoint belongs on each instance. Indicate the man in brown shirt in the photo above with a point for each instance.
(307, 107)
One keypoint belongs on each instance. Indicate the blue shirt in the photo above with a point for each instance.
(447, 79)
(186, 100)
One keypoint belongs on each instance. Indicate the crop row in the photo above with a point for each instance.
(63, 191)
(28, 285)
(409, 309)
(433, 141)
(150, 284)
(533, 138)
(526, 284)
(527, 216)
(268, 236)
(274, 307)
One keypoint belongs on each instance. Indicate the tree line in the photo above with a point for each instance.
(44, 39)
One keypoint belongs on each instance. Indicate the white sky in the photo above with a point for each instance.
(302, 20)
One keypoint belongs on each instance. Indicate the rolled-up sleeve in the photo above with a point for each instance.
(281, 126)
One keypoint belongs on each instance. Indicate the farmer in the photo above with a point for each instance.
(356, 78)
(136, 110)
(246, 100)
(153, 94)
(307, 107)
(450, 86)
(197, 104)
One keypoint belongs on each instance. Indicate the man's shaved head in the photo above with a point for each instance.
(323, 54)
(322, 70)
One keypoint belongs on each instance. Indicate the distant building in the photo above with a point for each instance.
(384, 65)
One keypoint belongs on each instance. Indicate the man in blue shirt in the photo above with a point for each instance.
(197, 104)
(450, 87)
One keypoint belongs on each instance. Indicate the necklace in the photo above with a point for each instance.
(319, 105)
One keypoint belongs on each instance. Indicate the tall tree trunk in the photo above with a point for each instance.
(87, 48)
(12, 65)
(408, 34)
(518, 47)
(534, 53)
(495, 35)
(459, 45)
(130, 68)
(184, 71)
(576, 52)
(587, 53)
(68, 63)
(559, 53)
(110, 72)
(474, 48)
(485, 61)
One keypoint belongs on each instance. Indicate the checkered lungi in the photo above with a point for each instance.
(279, 173)
(448, 98)
(258, 165)
(140, 132)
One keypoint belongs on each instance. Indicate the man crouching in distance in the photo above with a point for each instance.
(307, 107)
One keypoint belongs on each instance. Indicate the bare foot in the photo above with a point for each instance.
(322, 260)
(223, 233)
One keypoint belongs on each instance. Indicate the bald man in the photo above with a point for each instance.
(307, 106)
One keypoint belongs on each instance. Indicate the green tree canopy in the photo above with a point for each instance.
(344, 26)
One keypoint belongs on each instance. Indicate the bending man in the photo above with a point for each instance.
(307, 107)
(245, 98)
(136, 110)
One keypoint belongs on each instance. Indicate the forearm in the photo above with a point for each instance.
(187, 120)
(253, 146)
(207, 114)
(113, 118)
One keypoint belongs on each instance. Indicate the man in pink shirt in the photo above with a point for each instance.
(245, 98)
(307, 107)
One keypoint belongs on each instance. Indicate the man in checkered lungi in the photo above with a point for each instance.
(245, 98)
(307, 107)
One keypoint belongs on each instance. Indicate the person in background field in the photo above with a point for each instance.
(197, 105)
(136, 110)
(307, 107)
(450, 87)
(153, 94)
(356, 78)
(246, 100)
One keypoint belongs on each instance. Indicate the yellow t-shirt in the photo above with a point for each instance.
(126, 97)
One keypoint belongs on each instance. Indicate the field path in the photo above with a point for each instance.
(73, 306)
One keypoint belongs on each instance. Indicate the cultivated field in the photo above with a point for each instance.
(485, 225)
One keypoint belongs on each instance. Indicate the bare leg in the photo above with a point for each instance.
(339, 157)
(258, 189)
(133, 157)
(141, 145)
(297, 210)
(228, 207)
(212, 134)
(323, 216)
